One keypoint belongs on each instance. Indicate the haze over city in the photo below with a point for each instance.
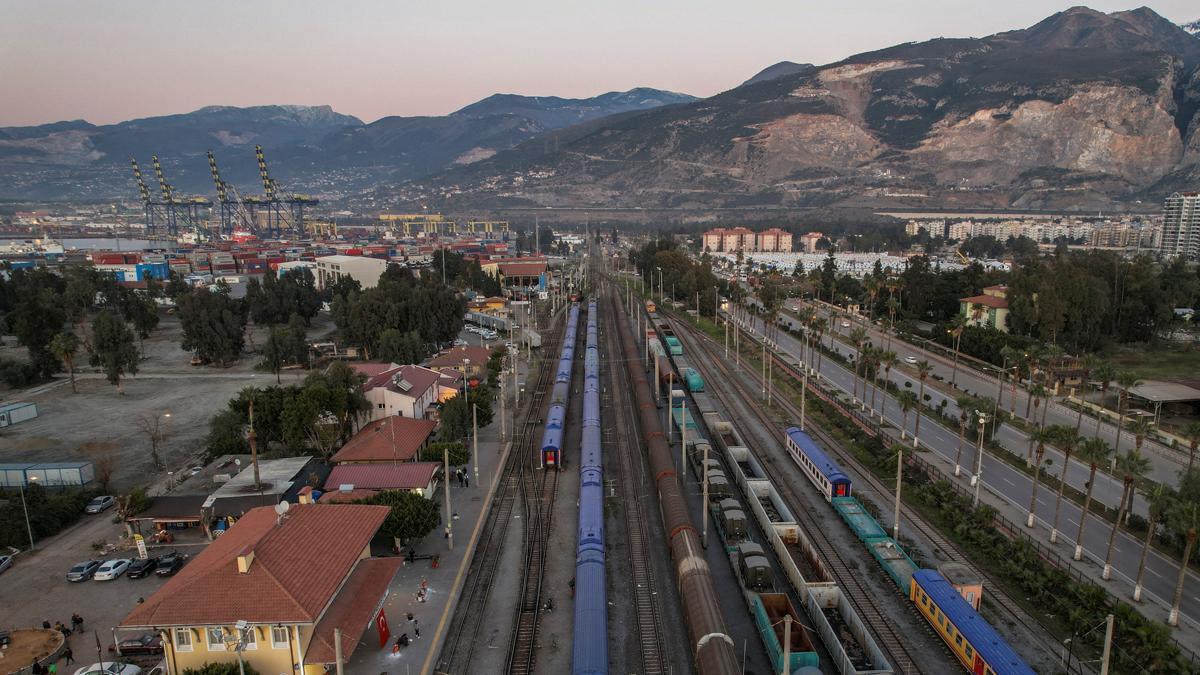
(112, 61)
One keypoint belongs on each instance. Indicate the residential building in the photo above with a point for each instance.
(417, 477)
(713, 240)
(470, 361)
(808, 241)
(386, 441)
(1181, 225)
(272, 590)
(775, 240)
(409, 390)
(989, 310)
(363, 269)
(739, 239)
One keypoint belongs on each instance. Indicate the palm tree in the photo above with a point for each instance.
(888, 359)
(1131, 465)
(1012, 355)
(1160, 499)
(1031, 361)
(1090, 363)
(1067, 439)
(872, 286)
(907, 401)
(965, 405)
(957, 325)
(1036, 393)
(923, 370)
(872, 366)
(1126, 380)
(1042, 436)
(892, 306)
(1105, 373)
(1184, 516)
(1192, 432)
(64, 346)
(1093, 451)
(1140, 428)
(858, 336)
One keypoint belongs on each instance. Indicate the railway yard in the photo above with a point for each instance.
(655, 513)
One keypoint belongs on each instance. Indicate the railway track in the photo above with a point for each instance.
(734, 393)
(620, 436)
(462, 638)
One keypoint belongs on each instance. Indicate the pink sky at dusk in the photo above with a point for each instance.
(110, 61)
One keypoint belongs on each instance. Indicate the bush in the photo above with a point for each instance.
(19, 374)
(49, 513)
(220, 668)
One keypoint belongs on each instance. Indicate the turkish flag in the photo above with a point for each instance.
(382, 625)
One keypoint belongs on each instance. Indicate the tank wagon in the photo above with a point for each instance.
(590, 648)
(710, 644)
(556, 417)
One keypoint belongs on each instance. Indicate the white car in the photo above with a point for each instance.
(460, 342)
(111, 569)
(845, 324)
(109, 668)
(5, 562)
(911, 360)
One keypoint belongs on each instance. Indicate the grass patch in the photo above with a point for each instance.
(1156, 362)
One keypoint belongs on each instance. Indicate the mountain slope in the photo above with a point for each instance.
(780, 69)
(1078, 110)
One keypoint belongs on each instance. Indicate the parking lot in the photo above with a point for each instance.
(35, 589)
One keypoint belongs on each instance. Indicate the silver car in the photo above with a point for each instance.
(100, 503)
(6, 562)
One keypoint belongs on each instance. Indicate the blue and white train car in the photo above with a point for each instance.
(824, 473)
(589, 654)
(556, 416)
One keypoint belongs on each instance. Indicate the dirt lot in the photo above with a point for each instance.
(97, 415)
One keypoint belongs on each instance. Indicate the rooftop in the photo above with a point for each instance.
(402, 476)
(353, 610)
(373, 443)
(457, 355)
(276, 476)
(297, 567)
(987, 301)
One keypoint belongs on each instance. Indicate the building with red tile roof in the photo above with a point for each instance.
(989, 310)
(418, 477)
(292, 579)
(393, 389)
(470, 361)
(391, 439)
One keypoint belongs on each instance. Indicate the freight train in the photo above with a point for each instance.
(590, 647)
(556, 418)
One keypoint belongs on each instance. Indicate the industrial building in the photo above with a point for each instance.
(366, 271)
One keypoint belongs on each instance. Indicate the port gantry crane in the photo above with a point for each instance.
(155, 211)
(233, 214)
(283, 211)
(181, 209)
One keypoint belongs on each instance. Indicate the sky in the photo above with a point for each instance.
(115, 60)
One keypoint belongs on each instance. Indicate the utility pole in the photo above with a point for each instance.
(704, 501)
(727, 338)
(764, 367)
(1108, 635)
(475, 439)
(787, 644)
(683, 444)
(899, 485)
(977, 478)
(803, 396)
(446, 489)
(337, 650)
(503, 411)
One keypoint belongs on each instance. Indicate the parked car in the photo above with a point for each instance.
(6, 562)
(111, 569)
(170, 564)
(195, 470)
(459, 342)
(911, 360)
(109, 668)
(845, 324)
(100, 503)
(83, 571)
(147, 644)
(142, 567)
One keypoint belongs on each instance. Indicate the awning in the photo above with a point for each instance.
(354, 609)
(1159, 391)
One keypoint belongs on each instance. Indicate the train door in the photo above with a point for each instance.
(841, 490)
(977, 666)
(550, 458)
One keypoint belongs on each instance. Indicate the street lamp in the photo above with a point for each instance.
(976, 480)
(25, 507)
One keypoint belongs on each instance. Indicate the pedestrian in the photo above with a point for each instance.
(36, 668)
(76, 622)
(410, 617)
(46, 624)
(70, 655)
(466, 480)
(417, 631)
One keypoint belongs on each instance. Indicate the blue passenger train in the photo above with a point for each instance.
(590, 651)
(556, 417)
(824, 473)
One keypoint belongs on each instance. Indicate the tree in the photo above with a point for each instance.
(142, 312)
(1042, 435)
(858, 336)
(1132, 466)
(64, 346)
(176, 286)
(459, 455)
(152, 425)
(112, 348)
(889, 361)
(965, 405)
(213, 326)
(1093, 451)
(907, 401)
(411, 517)
(1105, 373)
(1067, 439)
(923, 370)
(456, 413)
(1184, 516)
(957, 325)
(1126, 380)
(103, 461)
(273, 351)
(1160, 499)
(1192, 432)
(222, 668)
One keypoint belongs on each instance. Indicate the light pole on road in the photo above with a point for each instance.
(977, 479)
(25, 507)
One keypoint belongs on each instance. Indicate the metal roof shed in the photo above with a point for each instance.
(13, 475)
(60, 474)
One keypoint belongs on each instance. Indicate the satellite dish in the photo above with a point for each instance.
(282, 507)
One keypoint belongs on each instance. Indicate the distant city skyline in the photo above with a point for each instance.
(108, 62)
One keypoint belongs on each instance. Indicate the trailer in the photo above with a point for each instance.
(17, 412)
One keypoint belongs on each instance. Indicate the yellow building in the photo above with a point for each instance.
(989, 310)
(274, 589)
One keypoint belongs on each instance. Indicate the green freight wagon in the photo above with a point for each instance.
(693, 380)
(674, 345)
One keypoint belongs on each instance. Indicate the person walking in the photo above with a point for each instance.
(466, 480)
(69, 655)
(76, 622)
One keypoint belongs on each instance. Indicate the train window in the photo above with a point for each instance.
(958, 638)
(969, 652)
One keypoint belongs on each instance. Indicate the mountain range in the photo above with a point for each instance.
(309, 147)
(1081, 111)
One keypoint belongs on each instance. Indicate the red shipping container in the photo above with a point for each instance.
(353, 251)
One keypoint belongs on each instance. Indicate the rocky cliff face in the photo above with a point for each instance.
(1082, 109)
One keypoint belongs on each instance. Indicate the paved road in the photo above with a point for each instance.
(1165, 462)
(1015, 488)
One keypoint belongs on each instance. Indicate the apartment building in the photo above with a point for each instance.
(1181, 226)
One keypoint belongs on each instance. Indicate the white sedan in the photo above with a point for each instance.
(109, 668)
(111, 569)
(911, 360)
